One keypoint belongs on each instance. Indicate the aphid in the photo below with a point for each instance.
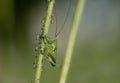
(37, 48)
(38, 36)
(34, 65)
(36, 56)
(43, 21)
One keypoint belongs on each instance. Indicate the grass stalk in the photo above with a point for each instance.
(46, 29)
(72, 38)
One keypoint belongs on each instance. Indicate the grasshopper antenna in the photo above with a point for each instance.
(56, 21)
(56, 34)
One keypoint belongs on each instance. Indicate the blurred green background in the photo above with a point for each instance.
(96, 57)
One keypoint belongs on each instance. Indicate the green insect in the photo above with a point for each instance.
(50, 49)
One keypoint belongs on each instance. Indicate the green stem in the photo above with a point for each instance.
(72, 38)
(46, 29)
(48, 17)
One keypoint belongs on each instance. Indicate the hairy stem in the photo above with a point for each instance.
(46, 29)
(72, 38)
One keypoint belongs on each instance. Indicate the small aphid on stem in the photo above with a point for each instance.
(34, 65)
(43, 21)
(36, 56)
(37, 48)
(38, 36)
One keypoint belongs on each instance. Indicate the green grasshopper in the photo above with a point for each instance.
(50, 49)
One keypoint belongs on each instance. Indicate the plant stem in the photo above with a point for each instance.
(72, 38)
(48, 17)
(46, 29)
